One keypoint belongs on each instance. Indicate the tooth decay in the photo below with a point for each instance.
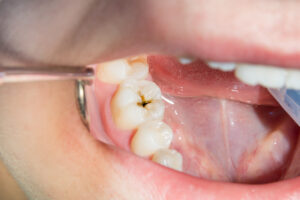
(137, 104)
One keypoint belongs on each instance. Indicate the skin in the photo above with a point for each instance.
(43, 143)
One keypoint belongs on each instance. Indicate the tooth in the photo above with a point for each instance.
(139, 70)
(184, 60)
(135, 102)
(293, 80)
(150, 137)
(272, 77)
(169, 158)
(223, 66)
(118, 70)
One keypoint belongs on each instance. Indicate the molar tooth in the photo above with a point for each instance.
(223, 66)
(169, 158)
(150, 137)
(117, 71)
(271, 77)
(135, 102)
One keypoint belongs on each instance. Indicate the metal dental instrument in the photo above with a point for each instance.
(28, 74)
(81, 74)
(289, 100)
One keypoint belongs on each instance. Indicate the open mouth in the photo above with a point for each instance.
(202, 119)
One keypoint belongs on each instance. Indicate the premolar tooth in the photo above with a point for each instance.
(113, 72)
(271, 77)
(223, 66)
(169, 158)
(150, 137)
(135, 102)
(118, 70)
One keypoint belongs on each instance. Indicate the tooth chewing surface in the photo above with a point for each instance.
(150, 137)
(169, 158)
(135, 102)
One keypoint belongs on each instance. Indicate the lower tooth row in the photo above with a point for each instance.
(137, 105)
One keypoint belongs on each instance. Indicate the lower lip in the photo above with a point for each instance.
(175, 185)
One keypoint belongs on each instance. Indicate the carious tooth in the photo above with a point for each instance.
(223, 66)
(184, 60)
(135, 102)
(169, 158)
(271, 77)
(118, 70)
(150, 137)
(293, 80)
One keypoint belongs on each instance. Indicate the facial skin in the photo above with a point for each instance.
(43, 142)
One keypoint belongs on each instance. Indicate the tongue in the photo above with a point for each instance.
(221, 139)
(231, 141)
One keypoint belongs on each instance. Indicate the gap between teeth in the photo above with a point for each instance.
(137, 105)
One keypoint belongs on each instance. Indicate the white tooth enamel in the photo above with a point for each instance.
(127, 107)
(293, 80)
(271, 77)
(118, 70)
(113, 71)
(169, 158)
(223, 66)
(186, 60)
(150, 137)
(138, 70)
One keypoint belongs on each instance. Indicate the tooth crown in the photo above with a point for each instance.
(135, 102)
(268, 76)
(169, 158)
(113, 71)
(150, 137)
(119, 70)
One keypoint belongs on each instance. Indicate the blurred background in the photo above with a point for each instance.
(9, 189)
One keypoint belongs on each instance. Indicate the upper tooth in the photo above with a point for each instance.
(272, 77)
(169, 158)
(223, 66)
(293, 80)
(150, 137)
(118, 70)
(135, 102)
(186, 60)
